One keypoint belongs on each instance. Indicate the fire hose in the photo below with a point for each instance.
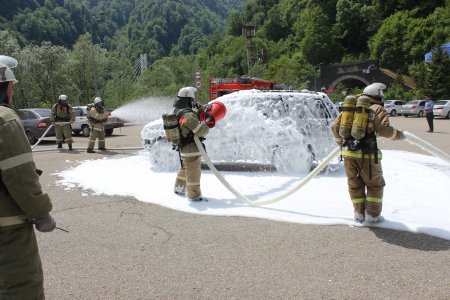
(409, 137)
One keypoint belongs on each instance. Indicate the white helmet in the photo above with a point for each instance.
(63, 98)
(9, 61)
(375, 90)
(187, 92)
(6, 74)
(97, 100)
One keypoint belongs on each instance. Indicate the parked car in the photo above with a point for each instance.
(81, 124)
(414, 108)
(35, 122)
(442, 109)
(393, 107)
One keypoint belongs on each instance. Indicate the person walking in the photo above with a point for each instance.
(22, 204)
(97, 116)
(429, 105)
(187, 181)
(62, 116)
(362, 158)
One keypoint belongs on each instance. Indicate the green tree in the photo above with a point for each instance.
(438, 75)
(43, 75)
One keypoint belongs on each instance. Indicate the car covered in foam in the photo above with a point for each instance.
(289, 130)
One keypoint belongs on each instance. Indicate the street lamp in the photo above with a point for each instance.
(94, 66)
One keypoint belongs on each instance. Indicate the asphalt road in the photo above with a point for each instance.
(120, 248)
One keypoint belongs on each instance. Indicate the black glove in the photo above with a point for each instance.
(45, 224)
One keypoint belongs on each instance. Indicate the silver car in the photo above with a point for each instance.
(36, 121)
(441, 108)
(393, 107)
(414, 108)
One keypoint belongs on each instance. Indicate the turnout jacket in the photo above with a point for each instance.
(97, 117)
(380, 127)
(62, 113)
(21, 194)
(190, 126)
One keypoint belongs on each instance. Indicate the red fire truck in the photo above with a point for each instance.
(222, 86)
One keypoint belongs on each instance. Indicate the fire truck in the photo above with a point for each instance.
(222, 86)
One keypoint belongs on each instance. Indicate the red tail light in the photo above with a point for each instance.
(42, 125)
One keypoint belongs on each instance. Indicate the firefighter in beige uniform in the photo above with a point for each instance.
(22, 203)
(97, 116)
(188, 176)
(362, 158)
(62, 115)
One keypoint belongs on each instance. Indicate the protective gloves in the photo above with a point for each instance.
(45, 224)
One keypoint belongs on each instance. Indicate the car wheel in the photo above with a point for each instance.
(31, 139)
(85, 130)
(393, 113)
(420, 114)
(108, 132)
(448, 115)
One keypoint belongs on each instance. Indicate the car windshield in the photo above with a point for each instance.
(388, 101)
(441, 102)
(45, 113)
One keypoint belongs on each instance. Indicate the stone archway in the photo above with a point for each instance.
(345, 77)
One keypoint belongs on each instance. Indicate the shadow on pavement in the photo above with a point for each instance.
(411, 240)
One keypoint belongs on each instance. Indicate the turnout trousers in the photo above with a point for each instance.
(97, 131)
(189, 176)
(63, 131)
(366, 192)
(21, 276)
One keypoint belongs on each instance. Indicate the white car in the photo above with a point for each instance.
(442, 109)
(289, 130)
(393, 107)
(414, 108)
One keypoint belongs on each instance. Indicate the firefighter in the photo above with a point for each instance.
(362, 158)
(188, 177)
(62, 116)
(97, 116)
(22, 203)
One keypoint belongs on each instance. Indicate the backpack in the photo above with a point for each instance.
(172, 126)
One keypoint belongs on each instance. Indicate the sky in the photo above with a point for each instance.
(416, 197)
(415, 201)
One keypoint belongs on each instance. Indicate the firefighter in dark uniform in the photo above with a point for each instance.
(188, 176)
(362, 158)
(22, 203)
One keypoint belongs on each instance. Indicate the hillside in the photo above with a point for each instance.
(156, 27)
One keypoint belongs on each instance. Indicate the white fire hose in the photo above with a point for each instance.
(411, 138)
(243, 198)
(45, 133)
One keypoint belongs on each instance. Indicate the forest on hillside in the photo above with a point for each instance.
(92, 47)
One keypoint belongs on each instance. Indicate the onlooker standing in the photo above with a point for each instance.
(22, 202)
(429, 112)
(62, 116)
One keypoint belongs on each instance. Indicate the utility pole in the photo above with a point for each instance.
(249, 32)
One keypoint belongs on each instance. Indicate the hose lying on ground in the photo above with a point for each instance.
(246, 200)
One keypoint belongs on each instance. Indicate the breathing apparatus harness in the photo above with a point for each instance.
(60, 104)
(356, 128)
